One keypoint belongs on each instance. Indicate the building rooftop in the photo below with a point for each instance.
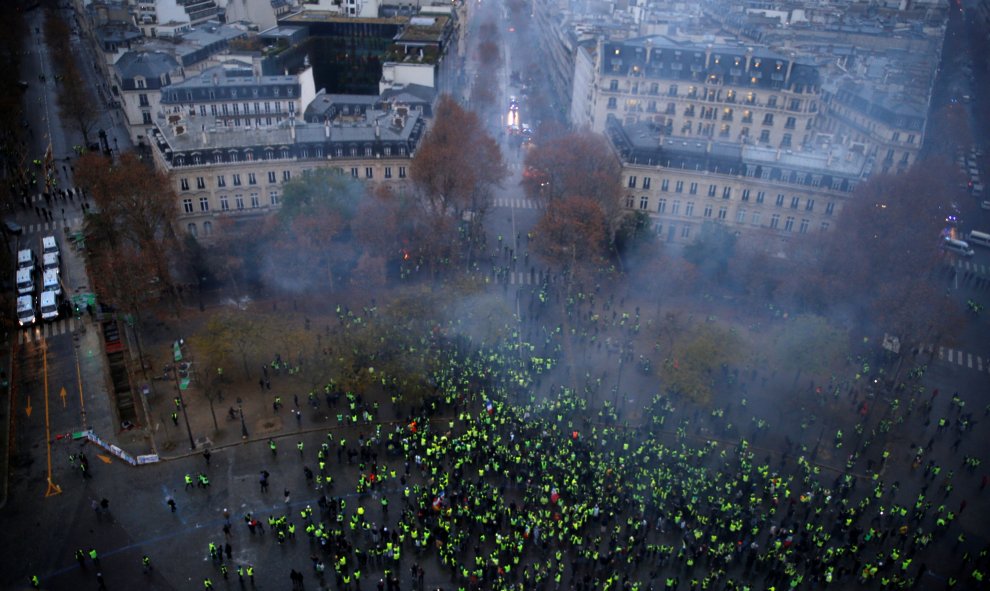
(146, 64)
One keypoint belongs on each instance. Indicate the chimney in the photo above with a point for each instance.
(203, 129)
(292, 129)
(326, 127)
(216, 80)
(378, 131)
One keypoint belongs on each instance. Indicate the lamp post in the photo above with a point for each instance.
(182, 405)
(240, 411)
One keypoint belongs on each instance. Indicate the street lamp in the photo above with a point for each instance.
(240, 411)
(182, 403)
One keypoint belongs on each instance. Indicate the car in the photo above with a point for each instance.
(12, 228)
(985, 205)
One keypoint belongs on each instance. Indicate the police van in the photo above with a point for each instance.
(50, 262)
(25, 281)
(958, 247)
(25, 258)
(25, 310)
(49, 245)
(49, 305)
(981, 238)
(51, 282)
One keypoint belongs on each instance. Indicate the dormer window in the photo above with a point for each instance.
(139, 82)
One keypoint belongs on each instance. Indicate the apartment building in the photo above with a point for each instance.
(239, 171)
(756, 191)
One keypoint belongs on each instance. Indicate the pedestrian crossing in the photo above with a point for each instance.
(960, 358)
(975, 268)
(520, 203)
(52, 226)
(47, 330)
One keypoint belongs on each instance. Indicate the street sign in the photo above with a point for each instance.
(176, 351)
(184, 384)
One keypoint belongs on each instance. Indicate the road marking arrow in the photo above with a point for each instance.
(63, 394)
(106, 459)
(28, 408)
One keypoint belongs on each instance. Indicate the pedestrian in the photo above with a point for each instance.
(35, 582)
(175, 418)
(81, 557)
(146, 564)
(271, 446)
(171, 504)
(228, 550)
(298, 417)
(263, 481)
(285, 496)
(206, 456)
(94, 557)
(99, 579)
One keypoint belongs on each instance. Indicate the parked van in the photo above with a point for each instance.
(25, 310)
(50, 262)
(25, 258)
(958, 247)
(981, 238)
(49, 305)
(50, 282)
(49, 245)
(25, 281)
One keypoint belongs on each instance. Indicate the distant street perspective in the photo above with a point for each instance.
(474, 295)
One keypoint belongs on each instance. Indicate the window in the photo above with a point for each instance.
(672, 91)
(613, 85)
(726, 192)
(354, 172)
(273, 197)
(780, 200)
(204, 204)
(768, 119)
(184, 184)
(207, 228)
(789, 224)
(221, 181)
(775, 221)
(271, 176)
(772, 102)
(286, 175)
(675, 208)
(791, 123)
(760, 196)
(662, 206)
(146, 118)
(632, 182)
(896, 137)
(630, 201)
(765, 136)
(252, 180)
(187, 205)
(830, 208)
(722, 212)
(679, 187)
(402, 172)
(809, 205)
(369, 172)
(785, 140)
(803, 228)
(225, 203)
(910, 138)
(686, 232)
(740, 216)
(708, 211)
(388, 172)
(647, 181)
(200, 183)
(711, 190)
(664, 185)
(745, 195)
(824, 227)
(191, 228)
(255, 200)
(644, 202)
(693, 188)
(795, 201)
(755, 219)
(612, 102)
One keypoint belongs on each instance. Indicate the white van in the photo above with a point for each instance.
(50, 282)
(958, 247)
(25, 310)
(50, 262)
(49, 245)
(25, 281)
(49, 305)
(981, 238)
(25, 258)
